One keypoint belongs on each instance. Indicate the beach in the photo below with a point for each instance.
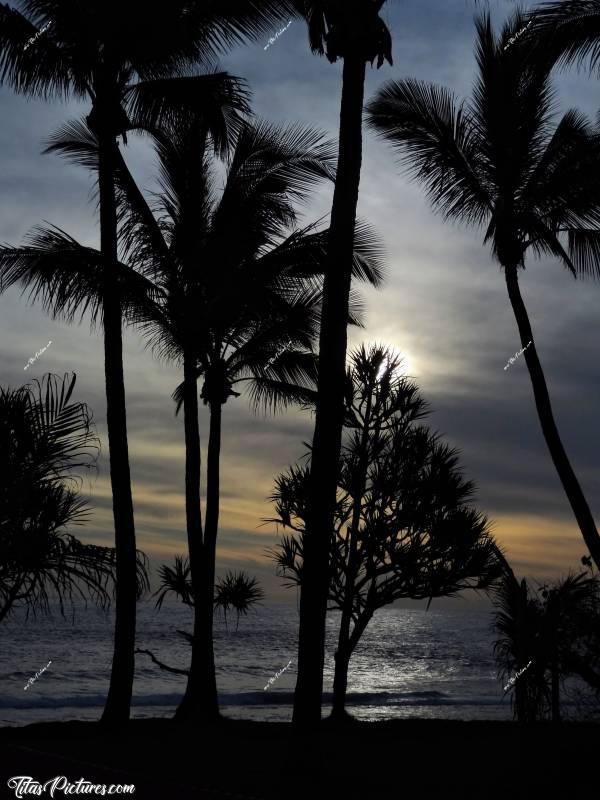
(265, 761)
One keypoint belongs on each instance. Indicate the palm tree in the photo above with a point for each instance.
(236, 590)
(517, 622)
(207, 321)
(545, 636)
(227, 327)
(166, 293)
(69, 279)
(403, 526)
(96, 50)
(350, 30)
(496, 162)
(45, 440)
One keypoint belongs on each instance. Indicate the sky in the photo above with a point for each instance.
(443, 307)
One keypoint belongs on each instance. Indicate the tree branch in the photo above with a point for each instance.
(161, 665)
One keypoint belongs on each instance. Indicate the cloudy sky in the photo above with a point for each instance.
(444, 307)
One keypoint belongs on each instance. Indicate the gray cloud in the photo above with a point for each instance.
(444, 305)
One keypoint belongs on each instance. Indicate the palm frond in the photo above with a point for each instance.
(566, 32)
(237, 591)
(438, 142)
(46, 440)
(40, 68)
(584, 251)
(216, 102)
(176, 580)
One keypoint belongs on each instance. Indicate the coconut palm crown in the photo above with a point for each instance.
(499, 162)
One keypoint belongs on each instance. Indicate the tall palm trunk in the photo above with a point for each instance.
(330, 403)
(118, 701)
(200, 701)
(203, 703)
(212, 527)
(194, 700)
(563, 467)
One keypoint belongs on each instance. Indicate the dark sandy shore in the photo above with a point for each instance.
(397, 759)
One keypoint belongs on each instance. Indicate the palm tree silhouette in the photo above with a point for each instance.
(236, 591)
(350, 30)
(517, 616)
(96, 51)
(69, 278)
(403, 526)
(46, 439)
(554, 630)
(166, 290)
(226, 326)
(495, 162)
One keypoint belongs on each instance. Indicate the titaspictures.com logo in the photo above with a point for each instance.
(25, 785)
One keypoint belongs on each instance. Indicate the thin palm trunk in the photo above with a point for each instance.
(212, 527)
(200, 701)
(121, 680)
(563, 467)
(330, 403)
(203, 702)
(193, 701)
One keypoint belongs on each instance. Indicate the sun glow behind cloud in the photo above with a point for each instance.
(443, 308)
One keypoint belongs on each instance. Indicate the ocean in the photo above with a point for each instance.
(410, 663)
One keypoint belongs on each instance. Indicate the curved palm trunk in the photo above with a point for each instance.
(118, 701)
(565, 472)
(330, 402)
(194, 700)
(201, 699)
